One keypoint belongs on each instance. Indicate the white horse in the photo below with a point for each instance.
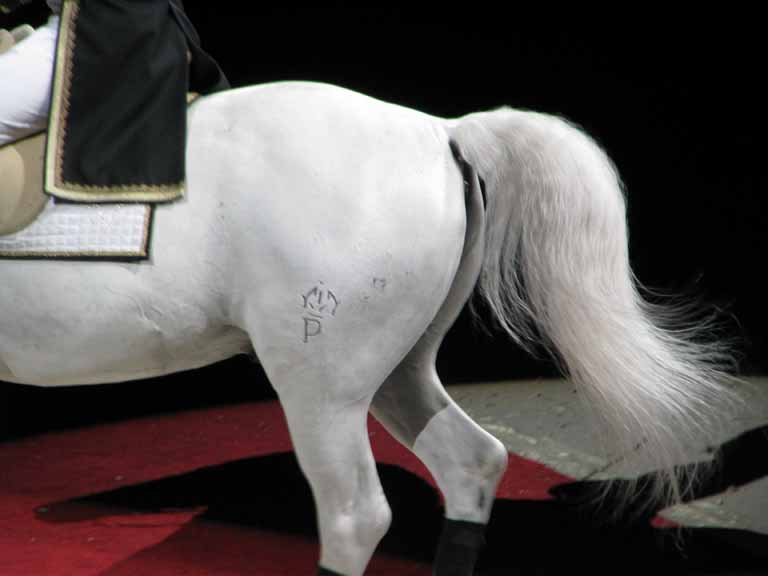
(332, 235)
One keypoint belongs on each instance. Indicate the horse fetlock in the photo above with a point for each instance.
(366, 525)
(473, 484)
(350, 537)
(493, 459)
(466, 462)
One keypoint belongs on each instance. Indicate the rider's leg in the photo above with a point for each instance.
(26, 71)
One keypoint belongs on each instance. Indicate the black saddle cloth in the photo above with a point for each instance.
(118, 121)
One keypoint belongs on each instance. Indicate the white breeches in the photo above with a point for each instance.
(26, 72)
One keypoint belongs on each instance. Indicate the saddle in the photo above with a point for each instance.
(21, 183)
(21, 166)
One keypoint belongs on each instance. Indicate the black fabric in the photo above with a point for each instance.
(325, 572)
(127, 109)
(460, 543)
(8, 6)
(205, 76)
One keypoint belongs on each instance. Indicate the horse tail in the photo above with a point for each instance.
(556, 275)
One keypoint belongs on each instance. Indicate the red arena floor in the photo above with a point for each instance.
(53, 522)
(218, 491)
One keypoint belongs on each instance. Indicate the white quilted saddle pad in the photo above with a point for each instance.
(83, 231)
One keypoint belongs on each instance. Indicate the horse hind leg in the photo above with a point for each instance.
(331, 443)
(466, 462)
(326, 390)
(326, 371)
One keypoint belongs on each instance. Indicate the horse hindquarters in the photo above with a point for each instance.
(466, 462)
(336, 317)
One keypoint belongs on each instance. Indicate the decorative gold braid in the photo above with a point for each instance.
(69, 18)
(53, 145)
(71, 255)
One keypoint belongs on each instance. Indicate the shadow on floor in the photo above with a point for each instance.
(29, 410)
(524, 537)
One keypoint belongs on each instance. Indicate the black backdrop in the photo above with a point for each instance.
(674, 100)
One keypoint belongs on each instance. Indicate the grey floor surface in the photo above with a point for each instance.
(547, 421)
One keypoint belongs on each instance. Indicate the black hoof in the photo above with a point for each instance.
(325, 572)
(460, 544)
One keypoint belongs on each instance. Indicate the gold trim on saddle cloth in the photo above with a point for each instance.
(55, 185)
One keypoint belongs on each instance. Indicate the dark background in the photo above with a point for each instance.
(673, 99)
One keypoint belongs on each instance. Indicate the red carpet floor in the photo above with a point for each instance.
(46, 529)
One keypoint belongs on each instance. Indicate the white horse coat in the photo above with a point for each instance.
(330, 234)
(289, 186)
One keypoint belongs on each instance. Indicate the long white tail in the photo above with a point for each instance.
(556, 272)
